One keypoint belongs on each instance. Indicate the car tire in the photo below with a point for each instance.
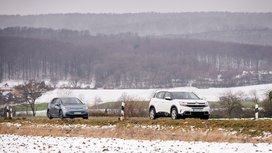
(152, 113)
(49, 115)
(61, 114)
(85, 118)
(206, 117)
(174, 113)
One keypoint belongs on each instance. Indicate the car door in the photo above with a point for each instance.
(159, 101)
(57, 107)
(52, 107)
(167, 103)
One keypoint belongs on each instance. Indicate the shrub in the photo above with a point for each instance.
(232, 104)
(134, 107)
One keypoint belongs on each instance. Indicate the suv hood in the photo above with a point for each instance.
(191, 101)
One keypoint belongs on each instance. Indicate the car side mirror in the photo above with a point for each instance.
(167, 98)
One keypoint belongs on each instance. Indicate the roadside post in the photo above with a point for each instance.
(11, 113)
(8, 112)
(122, 111)
(256, 112)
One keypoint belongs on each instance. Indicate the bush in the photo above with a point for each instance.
(232, 104)
(267, 107)
(134, 107)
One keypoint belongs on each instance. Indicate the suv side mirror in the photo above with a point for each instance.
(167, 98)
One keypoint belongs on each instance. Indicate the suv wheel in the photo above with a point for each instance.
(152, 113)
(85, 117)
(206, 117)
(174, 113)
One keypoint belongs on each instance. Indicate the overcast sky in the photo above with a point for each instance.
(26, 7)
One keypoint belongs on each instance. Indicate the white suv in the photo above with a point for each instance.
(178, 104)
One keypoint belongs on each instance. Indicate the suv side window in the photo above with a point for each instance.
(160, 95)
(168, 94)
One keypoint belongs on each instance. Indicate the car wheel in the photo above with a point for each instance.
(152, 113)
(85, 118)
(49, 115)
(174, 113)
(206, 117)
(61, 114)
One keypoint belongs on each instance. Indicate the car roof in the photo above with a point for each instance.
(64, 97)
(176, 90)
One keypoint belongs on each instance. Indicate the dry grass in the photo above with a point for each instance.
(144, 129)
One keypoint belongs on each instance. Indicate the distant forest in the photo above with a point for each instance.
(146, 50)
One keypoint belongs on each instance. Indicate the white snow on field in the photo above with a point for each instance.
(106, 95)
(15, 143)
(110, 95)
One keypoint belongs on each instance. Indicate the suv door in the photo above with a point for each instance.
(167, 103)
(159, 100)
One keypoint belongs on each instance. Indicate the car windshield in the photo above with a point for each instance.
(70, 101)
(184, 95)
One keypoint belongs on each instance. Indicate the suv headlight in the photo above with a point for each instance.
(182, 103)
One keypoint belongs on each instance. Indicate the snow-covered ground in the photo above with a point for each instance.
(110, 95)
(15, 143)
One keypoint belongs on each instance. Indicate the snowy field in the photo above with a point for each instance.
(110, 95)
(15, 143)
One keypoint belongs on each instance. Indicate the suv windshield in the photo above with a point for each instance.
(69, 101)
(184, 95)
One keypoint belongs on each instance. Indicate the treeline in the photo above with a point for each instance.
(143, 23)
(124, 60)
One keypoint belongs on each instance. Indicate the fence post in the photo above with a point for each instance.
(8, 112)
(122, 111)
(11, 113)
(256, 112)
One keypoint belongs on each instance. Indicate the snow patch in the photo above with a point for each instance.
(42, 144)
(112, 95)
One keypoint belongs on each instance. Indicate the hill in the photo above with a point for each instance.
(129, 61)
(143, 23)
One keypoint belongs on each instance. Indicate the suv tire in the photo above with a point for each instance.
(152, 113)
(174, 113)
(206, 117)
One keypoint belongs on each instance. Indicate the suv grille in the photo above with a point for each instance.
(194, 106)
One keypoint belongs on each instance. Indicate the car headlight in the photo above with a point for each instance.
(182, 103)
(65, 108)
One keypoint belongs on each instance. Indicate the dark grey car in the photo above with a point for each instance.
(67, 107)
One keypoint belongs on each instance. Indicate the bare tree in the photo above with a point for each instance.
(267, 104)
(134, 107)
(97, 101)
(254, 96)
(231, 103)
(31, 91)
